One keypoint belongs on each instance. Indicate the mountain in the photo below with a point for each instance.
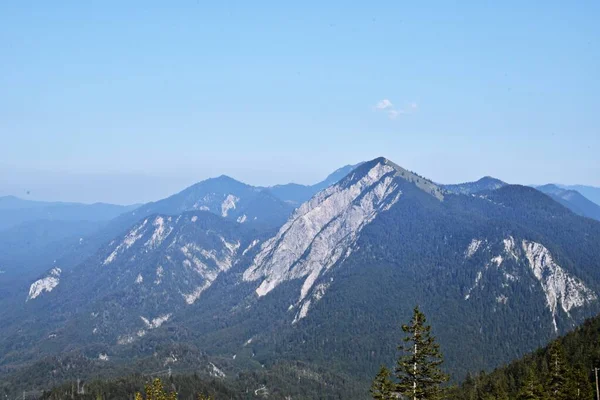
(296, 194)
(222, 196)
(28, 249)
(579, 348)
(15, 211)
(590, 192)
(404, 241)
(573, 200)
(483, 184)
(132, 285)
(498, 273)
(46, 223)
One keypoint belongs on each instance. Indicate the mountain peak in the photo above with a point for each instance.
(226, 179)
(488, 178)
(550, 187)
(421, 182)
(486, 183)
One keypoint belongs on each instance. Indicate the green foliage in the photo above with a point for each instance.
(418, 371)
(412, 254)
(532, 389)
(382, 387)
(155, 391)
(560, 371)
(296, 380)
(558, 384)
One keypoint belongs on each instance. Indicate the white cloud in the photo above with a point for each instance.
(384, 104)
(388, 107)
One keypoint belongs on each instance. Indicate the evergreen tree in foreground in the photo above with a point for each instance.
(418, 370)
(558, 383)
(155, 391)
(382, 387)
(531, 389)
(580, 385)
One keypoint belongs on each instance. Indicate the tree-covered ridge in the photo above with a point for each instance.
(499, 274)
(561, 370)
(286, 380)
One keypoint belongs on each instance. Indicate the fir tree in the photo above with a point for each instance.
(418, 369)
(558, 383)
(580, 387)
(382, 387)
(155, 391)
(531, 389)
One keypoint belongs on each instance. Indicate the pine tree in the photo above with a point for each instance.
(155, 391)
(418, 369)
(382, 387)
(580, 387)
(531, 389)
(558, 384)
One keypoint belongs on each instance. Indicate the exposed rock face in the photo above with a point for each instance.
(161, 265)
(324, 230)
(221, 196)
(559, 287)
(45, 284)
(189, 256)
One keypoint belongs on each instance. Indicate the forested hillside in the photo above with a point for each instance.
(287, 380)
(561, 370)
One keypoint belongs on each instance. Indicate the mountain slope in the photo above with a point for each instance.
(28, 249)
(573, 200)
(324, 230)
(590, 192)
(581, 349)
(222, 196)
(330, 289)
(297, 194)
(420, 244)
(498, 274)
(15, 211)
(133, 285)
(424, 251)
(483, 184)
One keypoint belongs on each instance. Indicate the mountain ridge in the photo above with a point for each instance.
(482, 184)
(331, 283)
(573, 200)
(296, 194)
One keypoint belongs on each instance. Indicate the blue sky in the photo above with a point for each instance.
(168, 93)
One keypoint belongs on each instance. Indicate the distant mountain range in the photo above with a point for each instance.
(296, 194)
(35, 233)
(39, 234)
(486, 183)
(14, 211)
(569, 198)
(590, 192)
(238, 274)
(573, 200)
(226, 197)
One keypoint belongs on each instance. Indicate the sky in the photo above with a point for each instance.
(130, 101)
